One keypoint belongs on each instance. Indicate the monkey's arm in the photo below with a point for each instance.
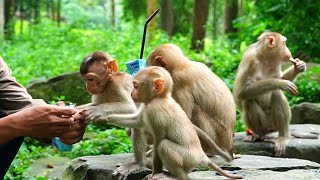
(100, 112)
(128, 120)
(257, 88)
(292, 72)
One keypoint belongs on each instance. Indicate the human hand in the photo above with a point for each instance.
(76, 131)
(42, 121)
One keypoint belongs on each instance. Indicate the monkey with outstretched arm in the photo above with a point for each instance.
(176, 143)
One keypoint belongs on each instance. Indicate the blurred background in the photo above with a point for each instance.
(41, 39)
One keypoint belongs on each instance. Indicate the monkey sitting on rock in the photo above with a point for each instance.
(259, 85)
(176, 143)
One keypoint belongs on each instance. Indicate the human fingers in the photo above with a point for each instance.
(64, 110)
(72, 137)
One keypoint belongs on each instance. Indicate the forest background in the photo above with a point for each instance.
(41, 39)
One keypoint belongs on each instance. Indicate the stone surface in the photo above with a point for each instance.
(69, 85)
(250, 166)
(50, 167)
(306, 113)
(296, 148)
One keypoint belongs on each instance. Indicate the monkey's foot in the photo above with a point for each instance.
(162, 176)
(124, 170)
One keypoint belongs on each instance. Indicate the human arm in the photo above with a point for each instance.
(41, 121)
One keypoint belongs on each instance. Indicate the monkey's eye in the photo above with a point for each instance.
(135, 85)
(90, 79)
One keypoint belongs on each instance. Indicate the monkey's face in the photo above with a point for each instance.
(95, 83)
(142, 91)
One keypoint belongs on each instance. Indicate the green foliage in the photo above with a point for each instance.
(308, 87)
(285, 17)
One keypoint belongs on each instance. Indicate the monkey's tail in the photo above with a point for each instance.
(202, 135)
(221, 171)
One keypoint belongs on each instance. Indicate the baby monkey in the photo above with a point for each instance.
(176, 144)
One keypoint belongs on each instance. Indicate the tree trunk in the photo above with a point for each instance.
(113, 14)
(215, 19)
(59, 12)
(166, 12)
(52, 11)
(1, 19)
(9, 18)
(152, 6)
(21, 16)
(200, 11)
(230, 14)
(36, 6)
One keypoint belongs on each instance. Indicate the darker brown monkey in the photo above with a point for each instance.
(111, 93)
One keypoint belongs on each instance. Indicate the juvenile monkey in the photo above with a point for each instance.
(259, 85)
(111, 93)
(205, 98)
(176, 143)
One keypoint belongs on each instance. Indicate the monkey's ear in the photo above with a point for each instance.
(112, 66)
(158, 85)
(161, 61)
(271, 41)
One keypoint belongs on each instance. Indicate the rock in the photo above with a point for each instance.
(250, 166)
(296, 148)
(69, 85)
(50, 167)
(306, 113)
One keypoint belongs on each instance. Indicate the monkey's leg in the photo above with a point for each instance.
(139, 146)
(254, 118)
(280, 115)
(171, 155)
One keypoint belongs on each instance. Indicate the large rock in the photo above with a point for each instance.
(306, 113)
(251, 167)
(69, 85)
(296, 148)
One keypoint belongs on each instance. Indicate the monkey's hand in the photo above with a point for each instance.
(280, 146)
(289, 87)
(299, 66)
(94, 114)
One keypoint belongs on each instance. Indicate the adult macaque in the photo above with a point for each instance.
(259, 85)
(176, 143)
(204, 97)
(111, 93)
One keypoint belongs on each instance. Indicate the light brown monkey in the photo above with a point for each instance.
(111, 93)
(205, 98)
(259, 85)
(176, 143)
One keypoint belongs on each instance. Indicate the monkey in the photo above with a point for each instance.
(259, 85)
(111, 93)
(205, 98)
(176, 143)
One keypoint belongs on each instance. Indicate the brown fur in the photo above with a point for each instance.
(258, 87)
(111, 93)
(176, 143)
(205, 98)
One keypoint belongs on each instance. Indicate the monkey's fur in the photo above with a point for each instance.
(259, 85)
(176, 143)
(204, 97)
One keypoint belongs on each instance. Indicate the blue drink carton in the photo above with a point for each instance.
(56, 142)
(135, 65)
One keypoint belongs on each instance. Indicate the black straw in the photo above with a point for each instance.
(145, 31)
